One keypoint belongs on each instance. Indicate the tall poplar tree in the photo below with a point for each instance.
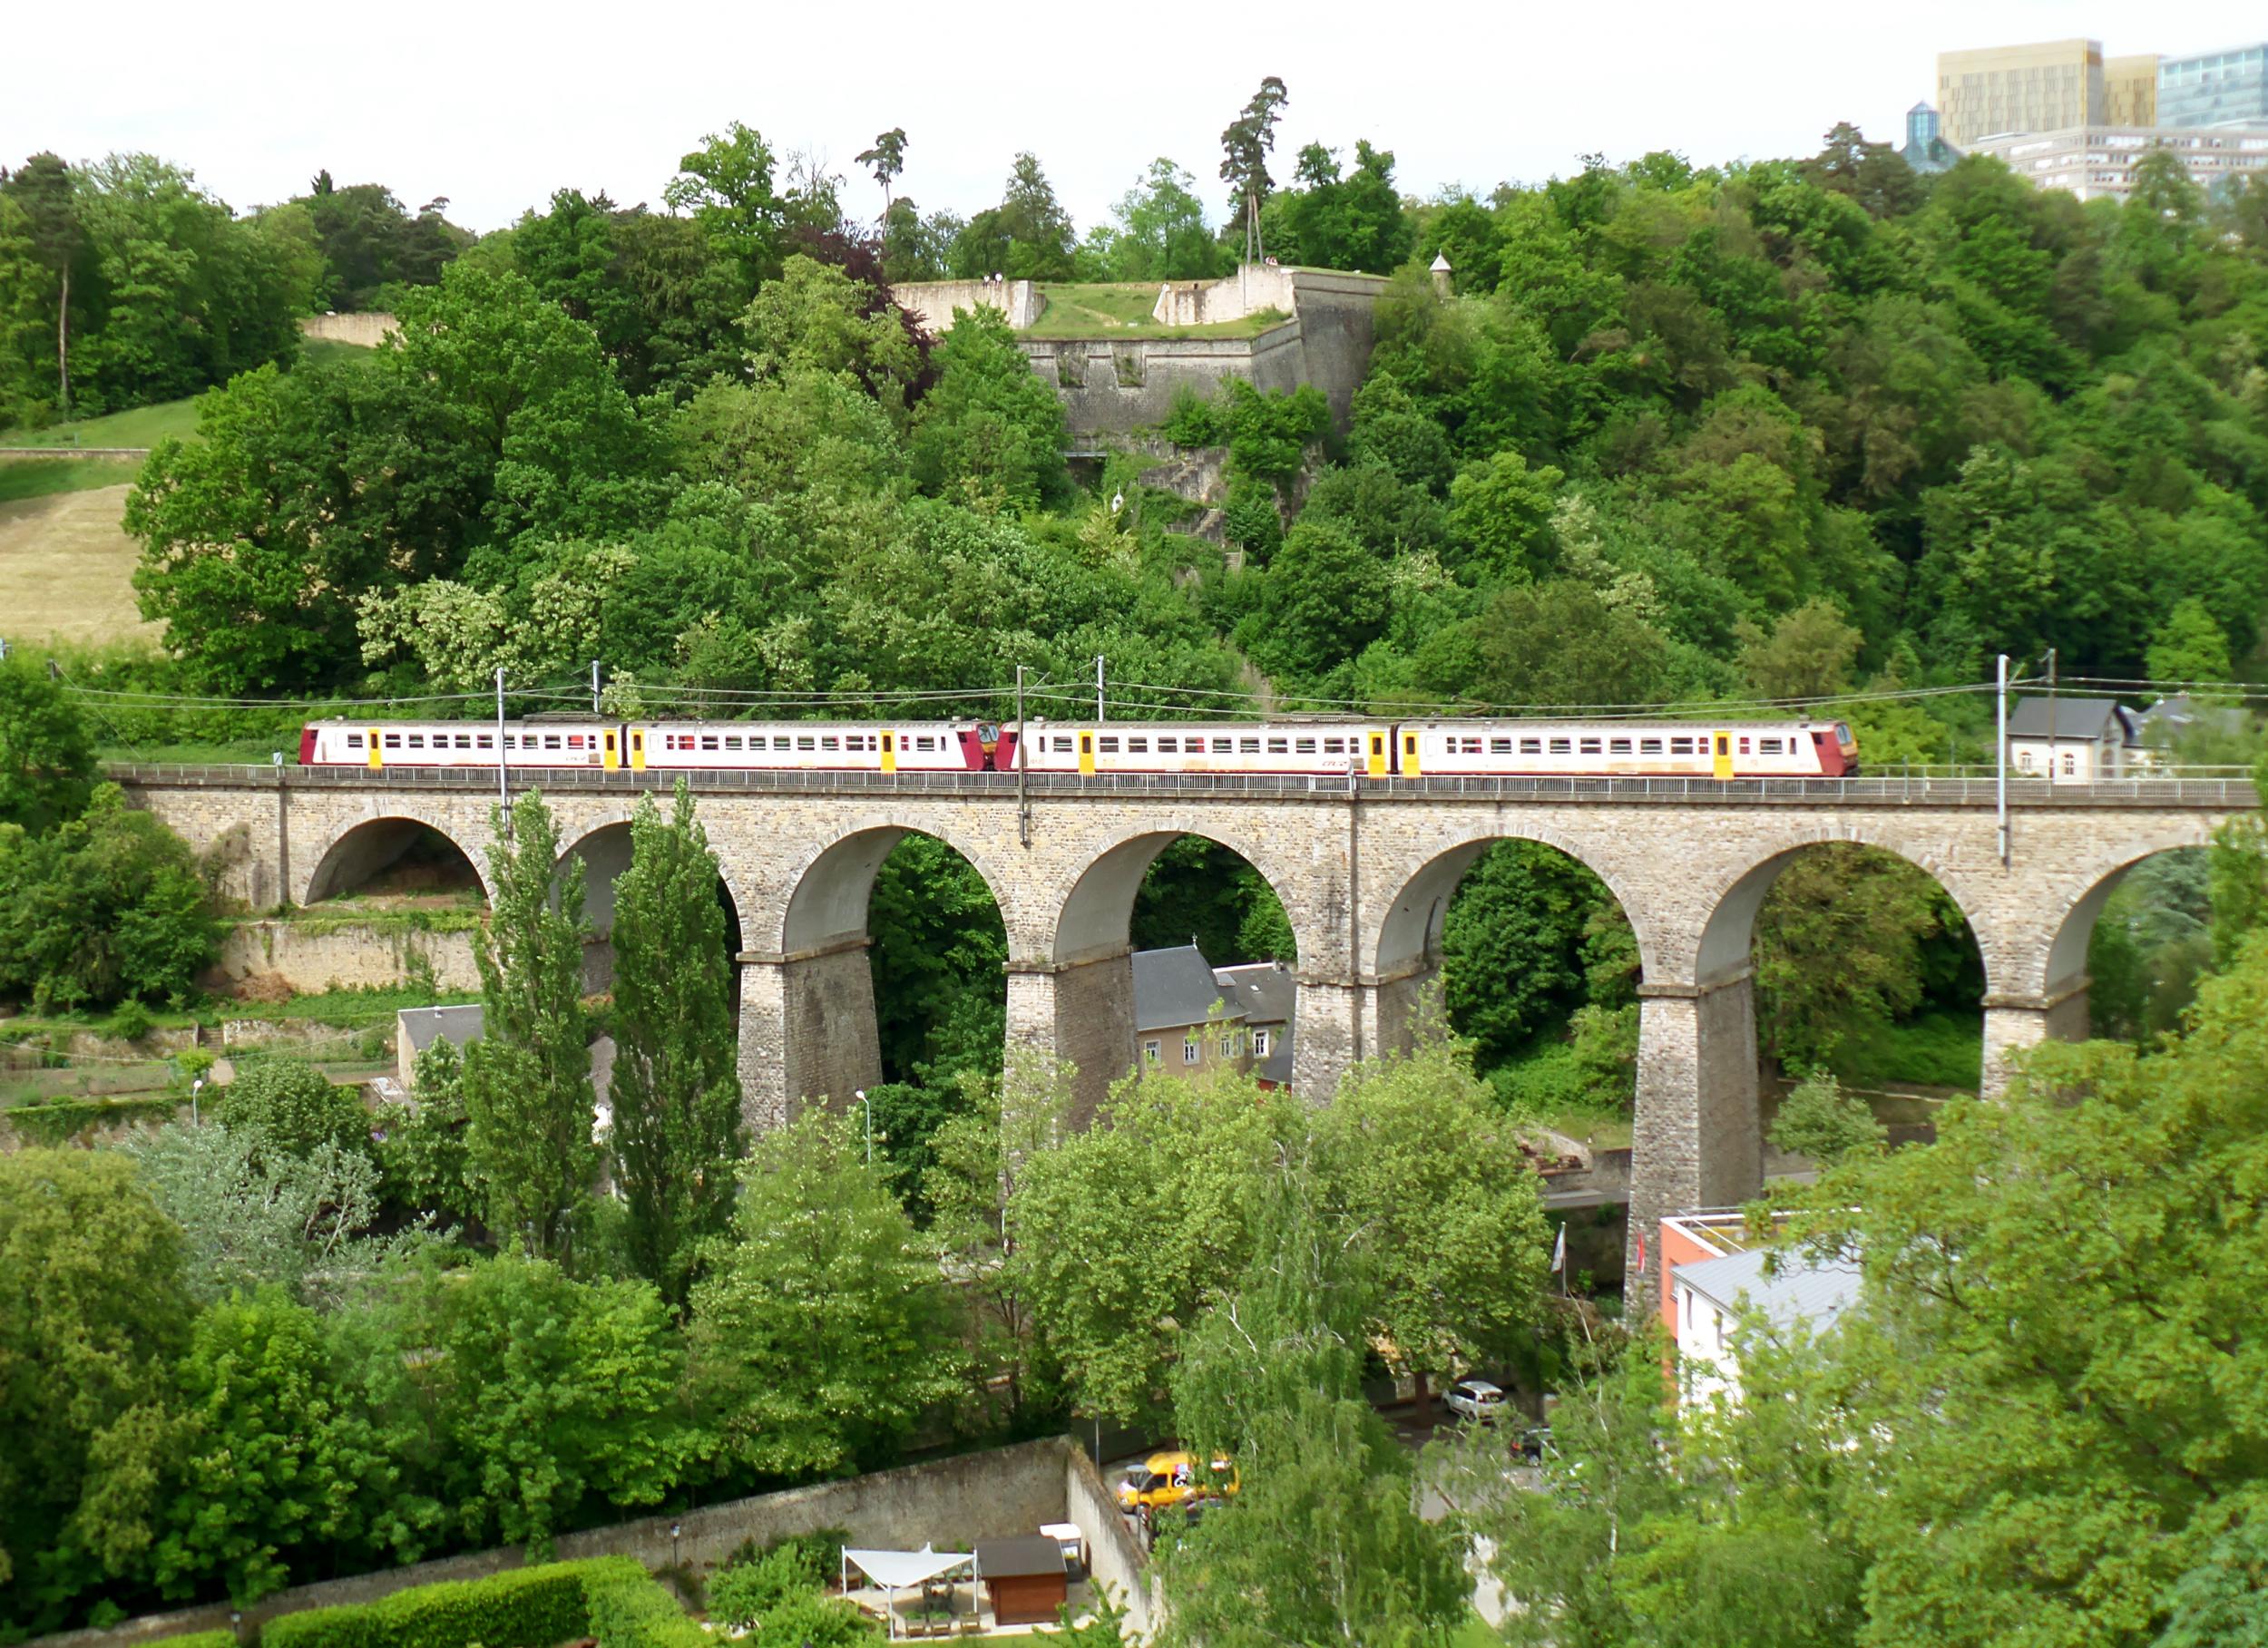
(528, 1098)
(676, 1087)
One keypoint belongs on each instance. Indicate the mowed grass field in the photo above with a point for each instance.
(67, 565)
(143, 426)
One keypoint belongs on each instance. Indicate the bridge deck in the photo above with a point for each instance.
(2218, 794)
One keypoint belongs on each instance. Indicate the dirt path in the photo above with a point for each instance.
(66, 567)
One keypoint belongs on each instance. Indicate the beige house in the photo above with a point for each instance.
(1190, 1016)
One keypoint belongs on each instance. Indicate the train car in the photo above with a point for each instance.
(1683, 749)
(1322, 747)
(383, 744)
(909, 746)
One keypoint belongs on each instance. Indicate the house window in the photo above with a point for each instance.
(2070, 763)
(1229, 1047)
(1151, 1050)
(2024, 760)
(1190, 1050)
(1259, 1044)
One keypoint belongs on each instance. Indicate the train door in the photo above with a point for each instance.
(1723, 765)
(637, 749)
(889, 752)
(610, 756)
(378, 759)
(1410, 768)
(1087, 754)
(1377, 765)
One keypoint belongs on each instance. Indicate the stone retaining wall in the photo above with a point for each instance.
(311, 959)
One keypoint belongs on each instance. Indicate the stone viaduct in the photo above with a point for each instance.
(1365, 868)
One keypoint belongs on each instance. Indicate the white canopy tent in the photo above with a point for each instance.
(895, 1571)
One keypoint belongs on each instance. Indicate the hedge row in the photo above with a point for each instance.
(199, 1639)
(59, 1121)
(523, 1608)
(634, 1610)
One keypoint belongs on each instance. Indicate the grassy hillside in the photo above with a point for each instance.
(143, 426)
(64, 560)
(22, 478)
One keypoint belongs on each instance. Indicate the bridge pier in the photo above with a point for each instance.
(1079, 1013)
(808, 1030)
(1696, 1141)
(2013, 1023)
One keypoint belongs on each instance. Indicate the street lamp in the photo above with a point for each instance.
(676, 1529)
(195, 1087)
(860, 1095)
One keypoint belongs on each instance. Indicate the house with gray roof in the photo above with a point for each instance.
(1191, 1016)
(2076, 740)
(1775, 1289)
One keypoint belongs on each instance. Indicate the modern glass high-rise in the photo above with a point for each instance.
(2215, 88)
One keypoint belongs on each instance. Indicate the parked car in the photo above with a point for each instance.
(1477, 1401)
(1170, 1478)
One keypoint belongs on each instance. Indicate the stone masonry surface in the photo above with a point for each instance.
(1365, 869)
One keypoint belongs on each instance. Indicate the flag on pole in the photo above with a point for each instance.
(1641, 1250)
(1558, 1250)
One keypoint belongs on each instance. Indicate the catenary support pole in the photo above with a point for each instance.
(1099, 712)
(594, 687)
(2000, 764)
(1024, 800)
(503, 791)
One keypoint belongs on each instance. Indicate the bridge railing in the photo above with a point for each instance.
(1919, 789)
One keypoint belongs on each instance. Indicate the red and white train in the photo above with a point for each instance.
(1376, 749)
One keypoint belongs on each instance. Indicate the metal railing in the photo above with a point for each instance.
(1899, 789)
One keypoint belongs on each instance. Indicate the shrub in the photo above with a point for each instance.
(199, 1639)
(1193, 422)
(294, 1108)
(525, 1608)
(1820, 1120)
(629, 1610)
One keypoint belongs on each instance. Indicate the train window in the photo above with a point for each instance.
(1767, 746)
(1472, 746)
(1590, 746)
(1743, 746)
(732, 741)
(1250, 746)
(1335, 746)
(1279, 746)
(1617, 747)
(827, 743)
(803, 742)
(575, 740)
(1196, 746)
(1305, 746)
(929, 743)
(465, 741)
(709, 740)
(1562, 746)
(1063, 745)
(1168, 747)
(1649, 747)
(1531, 747)
(1681, 746)
(417, 740)
(354, 740)
(1138, 746)
(488, 741)
(1108, 746)
(550, 740)
(1500, 747)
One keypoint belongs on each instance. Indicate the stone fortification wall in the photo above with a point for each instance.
(316, 957)
(1253, 287)
(948, 1503)
(1115, 386)
(933, 303)
(366, 331)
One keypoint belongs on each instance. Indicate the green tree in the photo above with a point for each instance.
(1246, 146)
(92, 1310)
(107, 908)
(1555, 642)
(2190, 645)
(820, 1333)
(517, 1401)
(1322, 600)
(1499, 516)
(249, 1466)
(1512, 946)
(528, 1100)
(425, 1155)
(1839, 952)
(1162, 233)
(287, 1107)
(1809, 653)
(1027, 237)
(1324, 1542)
(43, 189)
(886, 160)
(47, 754)
(989, 431)
(251, 1217)
(726, 185)
(677, 1086)
(1818, 1119)
(816, 317)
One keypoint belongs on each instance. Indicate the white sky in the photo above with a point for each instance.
(495, 107)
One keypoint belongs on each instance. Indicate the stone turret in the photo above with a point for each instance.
(1441, 275)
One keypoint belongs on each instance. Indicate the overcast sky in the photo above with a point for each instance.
(495, 107)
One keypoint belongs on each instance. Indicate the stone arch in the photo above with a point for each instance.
(1402, 955)
(1095, 916)
(370, 845)
(828, 887)
(2059, 965)
(604, 847)
(1727, 933)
